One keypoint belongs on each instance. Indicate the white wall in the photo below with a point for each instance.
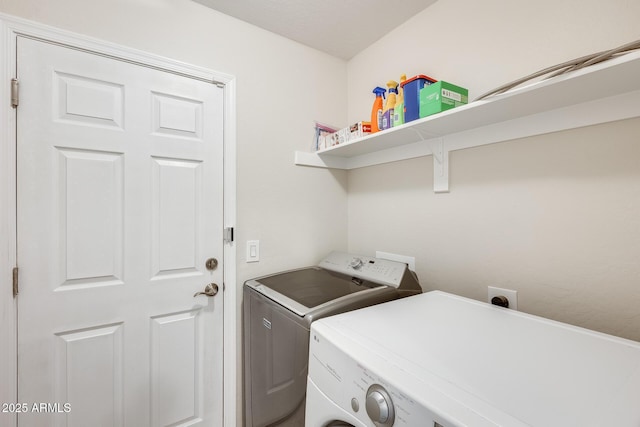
(282, 87)
(556, 217)
(483, 44)
(298, 214)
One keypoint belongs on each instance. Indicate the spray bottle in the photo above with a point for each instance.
(376, 111)
(398, 110)
(387, 113)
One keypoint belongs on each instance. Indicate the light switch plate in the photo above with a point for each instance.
(253, 250)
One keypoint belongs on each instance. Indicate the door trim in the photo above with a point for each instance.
(10, 28)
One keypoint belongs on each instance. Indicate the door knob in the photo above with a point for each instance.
(211, 264)
(210, 290)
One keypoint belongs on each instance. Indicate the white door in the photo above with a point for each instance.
(119, 207)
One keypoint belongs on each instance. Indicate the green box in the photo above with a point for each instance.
(441, 96)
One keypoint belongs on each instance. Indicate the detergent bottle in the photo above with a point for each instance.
(387, 113)
(376, 111)
(398, 110)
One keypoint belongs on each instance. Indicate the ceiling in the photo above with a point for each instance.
(340, 28)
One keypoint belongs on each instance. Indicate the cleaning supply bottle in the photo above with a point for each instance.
(398, 110)
(387, 113)
(376, 111)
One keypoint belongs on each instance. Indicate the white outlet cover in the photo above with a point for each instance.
(511, 295)
(409, 260)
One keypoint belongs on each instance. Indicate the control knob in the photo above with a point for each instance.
(356, 263)
(379, 406)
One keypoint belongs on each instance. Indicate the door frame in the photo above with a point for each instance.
(10, 28)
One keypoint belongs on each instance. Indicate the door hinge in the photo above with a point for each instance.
(228, 234)
(15, 94)
(15, 281)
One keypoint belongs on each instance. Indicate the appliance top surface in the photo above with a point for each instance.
(541, 372)
(339, 278)
(312, 287)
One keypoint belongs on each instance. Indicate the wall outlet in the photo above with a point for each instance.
(409, 260)
(510, 294)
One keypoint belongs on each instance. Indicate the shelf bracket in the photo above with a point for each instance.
(440, 165)
(440, 162)
(436, 147)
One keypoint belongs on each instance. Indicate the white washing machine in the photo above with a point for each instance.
(439, 360)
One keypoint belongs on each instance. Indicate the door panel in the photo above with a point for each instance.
(97, 397)
(83, 100)
(176, 185)
(90, 209)
(175, 367)
(119, 206)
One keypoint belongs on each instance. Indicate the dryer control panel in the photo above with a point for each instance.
(376, 270)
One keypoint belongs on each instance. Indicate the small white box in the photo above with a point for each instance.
(359, 130)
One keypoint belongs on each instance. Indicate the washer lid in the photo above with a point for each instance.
(310, 287)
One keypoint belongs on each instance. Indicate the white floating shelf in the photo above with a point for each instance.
(602, 93)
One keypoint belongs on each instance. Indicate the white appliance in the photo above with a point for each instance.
(439, 360)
